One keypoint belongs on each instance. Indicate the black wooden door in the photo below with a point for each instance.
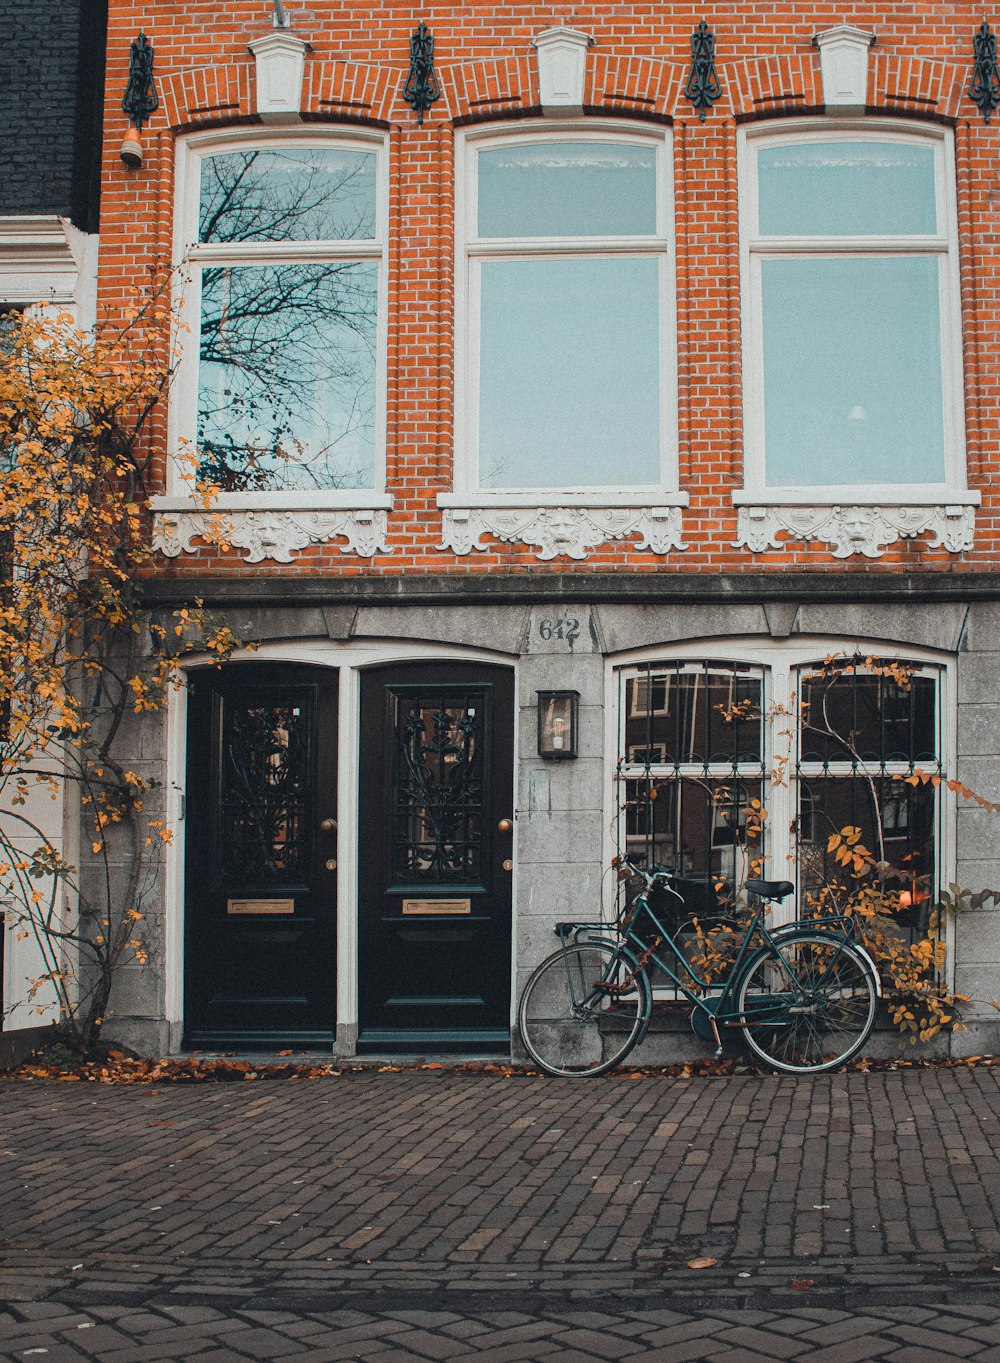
(435, 847)
(261, 844)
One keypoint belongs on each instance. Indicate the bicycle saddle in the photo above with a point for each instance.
(770, 889)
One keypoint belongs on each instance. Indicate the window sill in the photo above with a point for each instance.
(273, 527)
(562, 523)
(852, 522)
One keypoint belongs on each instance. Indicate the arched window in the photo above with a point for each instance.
(565, 369)
(852, 328)
(281, 385)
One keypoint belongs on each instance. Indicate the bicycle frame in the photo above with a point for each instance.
(716, 1002)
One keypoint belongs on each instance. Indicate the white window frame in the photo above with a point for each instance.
(652, 502)
(190, 256)
(780, 661)
(951, 497)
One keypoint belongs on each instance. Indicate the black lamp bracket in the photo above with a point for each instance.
(703, 86)
(984, 87)
(421, 88)
(140, 98)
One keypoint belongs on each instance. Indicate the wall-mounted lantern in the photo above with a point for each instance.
(139, 100)
(558, 726)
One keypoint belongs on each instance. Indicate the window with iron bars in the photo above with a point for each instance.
(730, 769)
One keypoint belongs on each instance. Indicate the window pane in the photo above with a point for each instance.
(707, 831)
(292, 194)
(287, 376)
(859, 717)
(898, 824)
(567, 189)
(852, 364)
(700, 714)
(569, 373)
(847, 189)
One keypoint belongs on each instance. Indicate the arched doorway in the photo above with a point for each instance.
(261, 839)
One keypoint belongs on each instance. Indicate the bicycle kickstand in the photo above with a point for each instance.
(718, 1038)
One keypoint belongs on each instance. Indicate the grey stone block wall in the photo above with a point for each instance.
(561, 840)
(977, 932)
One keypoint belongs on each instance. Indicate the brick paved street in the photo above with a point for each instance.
(448, 1215)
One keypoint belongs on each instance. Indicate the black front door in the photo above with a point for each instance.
(261, 844)
(434, 857)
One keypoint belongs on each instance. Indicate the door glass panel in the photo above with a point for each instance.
(265, 795)
(438, 789)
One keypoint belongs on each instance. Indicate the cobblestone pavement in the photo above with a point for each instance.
(448, 1215)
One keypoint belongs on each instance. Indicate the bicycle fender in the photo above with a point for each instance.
(870, 962)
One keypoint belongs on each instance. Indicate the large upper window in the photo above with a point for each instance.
(286, 243)
(851, 311)
(568, 356)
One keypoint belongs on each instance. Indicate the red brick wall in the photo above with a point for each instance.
(920, 66)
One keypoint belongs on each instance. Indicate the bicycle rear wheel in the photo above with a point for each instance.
(571, 1027)
(807, 1003)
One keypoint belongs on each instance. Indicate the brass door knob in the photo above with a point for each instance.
(508, 866)
(331, 865)
(505, 825)
(329, 825)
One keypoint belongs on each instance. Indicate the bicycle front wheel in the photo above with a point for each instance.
(572, 1026)
(807, 1003)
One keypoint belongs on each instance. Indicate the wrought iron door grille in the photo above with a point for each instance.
(438, 788)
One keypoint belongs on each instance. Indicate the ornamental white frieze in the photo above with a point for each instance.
(849, 530)
(568, 531)
(275, 535)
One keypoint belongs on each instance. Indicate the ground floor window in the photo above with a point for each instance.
(823, 770)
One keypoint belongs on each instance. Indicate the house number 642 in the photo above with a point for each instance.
(565, 628)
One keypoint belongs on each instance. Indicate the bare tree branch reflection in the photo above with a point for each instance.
(288, 350)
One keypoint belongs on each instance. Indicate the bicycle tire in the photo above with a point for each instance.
(573, 1030)
(812, 1014)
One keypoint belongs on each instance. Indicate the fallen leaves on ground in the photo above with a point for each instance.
(708, 1262)
(120, 1068)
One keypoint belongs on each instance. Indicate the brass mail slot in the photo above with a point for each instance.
(437, 905)
(260, 906)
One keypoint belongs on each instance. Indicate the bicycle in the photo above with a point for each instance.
(803, 995)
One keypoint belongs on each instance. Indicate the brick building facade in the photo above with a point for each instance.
(593, 374)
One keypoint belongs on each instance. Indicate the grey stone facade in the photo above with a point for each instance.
(563, 813)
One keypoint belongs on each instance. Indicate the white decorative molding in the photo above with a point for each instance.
(273, 535)
(562, 67)
(280, 59)
(867, 530)
(45, 259)
(570, 531)
(843, 64)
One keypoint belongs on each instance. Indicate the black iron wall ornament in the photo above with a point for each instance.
(703, 87)
(140, 98)
(421, 88)
(984, 87)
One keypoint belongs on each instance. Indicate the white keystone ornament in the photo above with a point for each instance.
(562, 68)
(843, 64)
(280, 58)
